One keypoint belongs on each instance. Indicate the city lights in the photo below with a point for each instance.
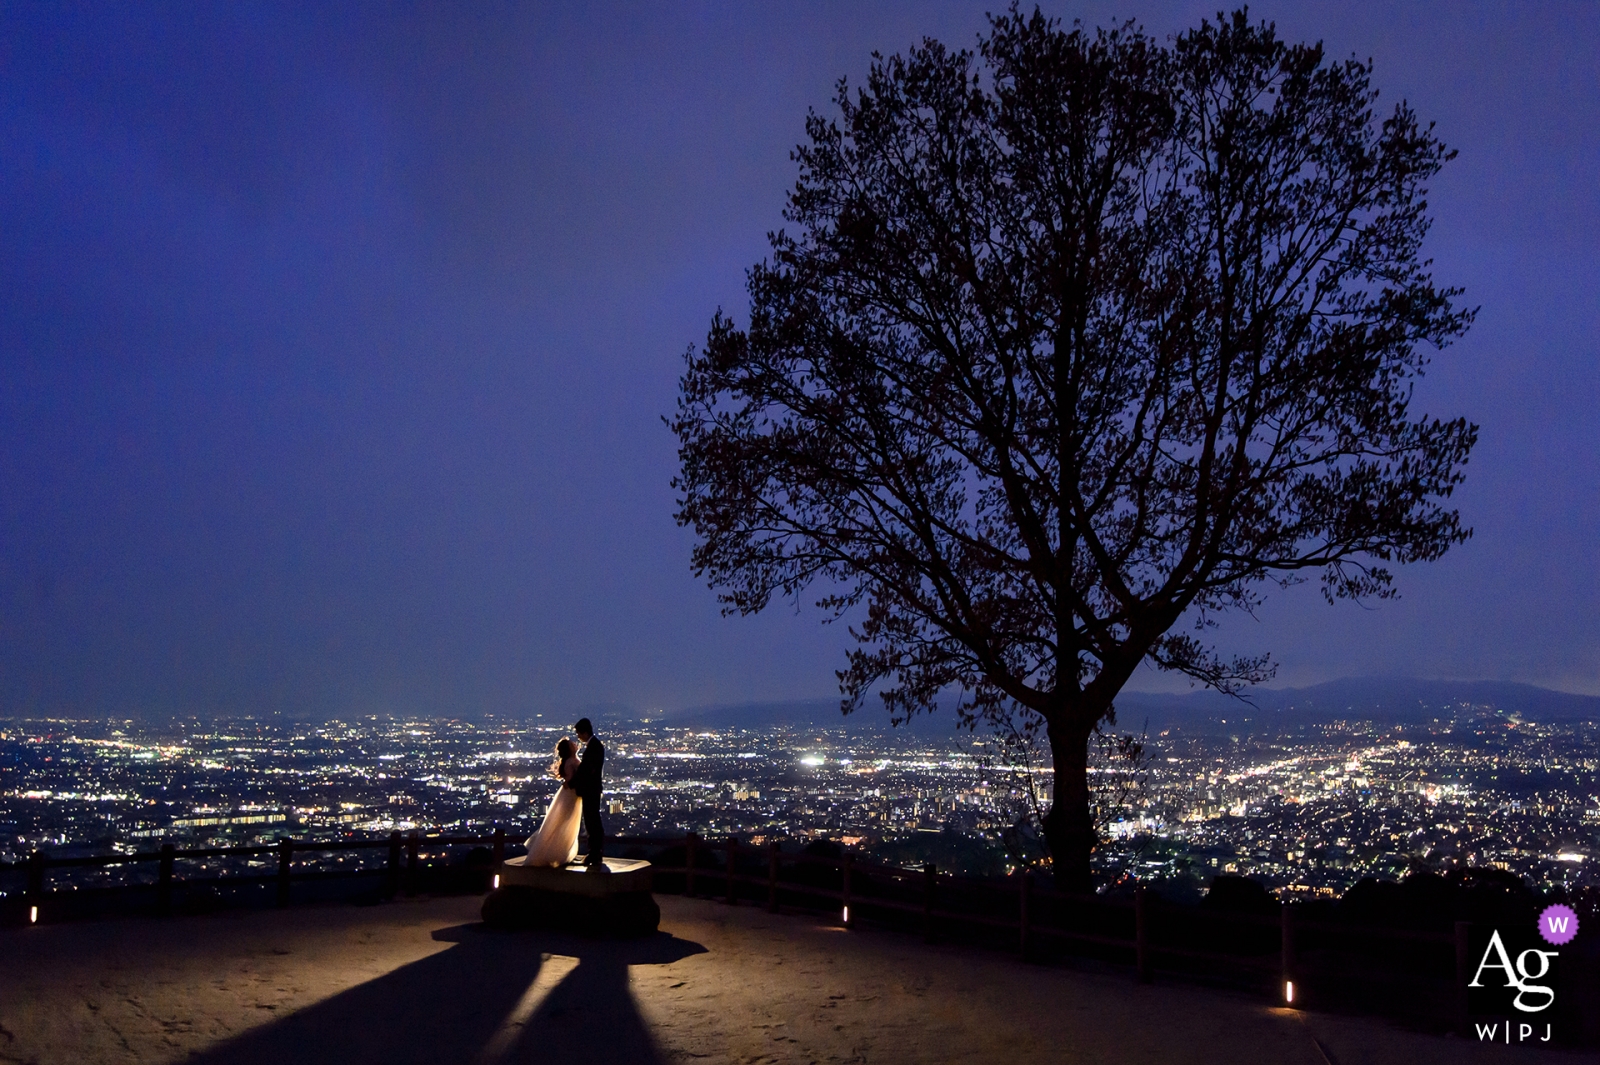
(1307, 812)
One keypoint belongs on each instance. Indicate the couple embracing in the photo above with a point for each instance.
(556, 842)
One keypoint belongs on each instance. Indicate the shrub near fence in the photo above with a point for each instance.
(1417, 973)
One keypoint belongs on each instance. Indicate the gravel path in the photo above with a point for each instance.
(423, 981)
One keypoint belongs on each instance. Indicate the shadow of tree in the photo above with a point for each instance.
(463, 1005)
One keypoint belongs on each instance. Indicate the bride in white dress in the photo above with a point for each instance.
(556, 842)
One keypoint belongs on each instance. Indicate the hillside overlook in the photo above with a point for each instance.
(421, 981)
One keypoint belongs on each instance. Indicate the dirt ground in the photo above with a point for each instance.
(423, 981)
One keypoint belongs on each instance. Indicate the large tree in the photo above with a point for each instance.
(1076, 338)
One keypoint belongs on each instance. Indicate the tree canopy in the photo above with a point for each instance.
(1073, 338)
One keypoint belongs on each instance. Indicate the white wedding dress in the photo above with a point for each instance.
(556, 842)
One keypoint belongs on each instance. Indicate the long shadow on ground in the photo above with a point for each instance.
(467, 1004)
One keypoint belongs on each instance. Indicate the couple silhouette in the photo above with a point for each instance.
(576, 801)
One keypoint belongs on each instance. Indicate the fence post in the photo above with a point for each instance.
(930, 877)
(1463, 967)
(1287, 989)
(394, 864)
(499, 845)
(688, 863)
(413, 864)
(1023, 891)
(733, 846)
(285, 859)
(164, 884)
(772, 877)
(844, 916)
(1141, 933)
(35, 885)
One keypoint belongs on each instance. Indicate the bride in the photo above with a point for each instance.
(556, 842)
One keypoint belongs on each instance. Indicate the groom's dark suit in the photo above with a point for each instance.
(586, 782)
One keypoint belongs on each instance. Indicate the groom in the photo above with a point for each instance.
(586, 782)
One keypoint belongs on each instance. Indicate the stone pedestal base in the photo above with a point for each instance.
(616, 902)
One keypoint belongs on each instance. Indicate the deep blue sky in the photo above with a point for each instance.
(334, 341)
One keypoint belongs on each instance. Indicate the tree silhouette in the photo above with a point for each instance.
(1077, 337)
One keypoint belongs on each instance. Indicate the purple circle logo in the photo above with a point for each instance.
(1558, 924)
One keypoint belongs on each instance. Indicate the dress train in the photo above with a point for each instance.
(556, 842)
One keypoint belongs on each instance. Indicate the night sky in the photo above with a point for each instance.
(336, 339)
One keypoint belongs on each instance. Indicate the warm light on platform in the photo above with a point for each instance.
(847, 915)
(497, 881)
(1288, 992)
(33, 915)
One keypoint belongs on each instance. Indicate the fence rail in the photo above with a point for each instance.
(401, 870)
(1151, 936)
(1136, 930)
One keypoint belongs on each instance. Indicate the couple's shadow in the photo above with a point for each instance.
(484, 999)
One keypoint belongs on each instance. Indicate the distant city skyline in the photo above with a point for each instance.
(336, 340)
(1308, 809)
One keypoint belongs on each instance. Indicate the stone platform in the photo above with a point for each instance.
(621, 875)
(572, 898)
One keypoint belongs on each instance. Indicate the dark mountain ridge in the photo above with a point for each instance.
(1384, 700)
(1397, 700)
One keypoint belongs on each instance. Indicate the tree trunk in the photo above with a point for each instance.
(1069, 826)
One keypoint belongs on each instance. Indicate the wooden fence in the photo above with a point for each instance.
(1285, 953)
(404, 869)
(1039, 921)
